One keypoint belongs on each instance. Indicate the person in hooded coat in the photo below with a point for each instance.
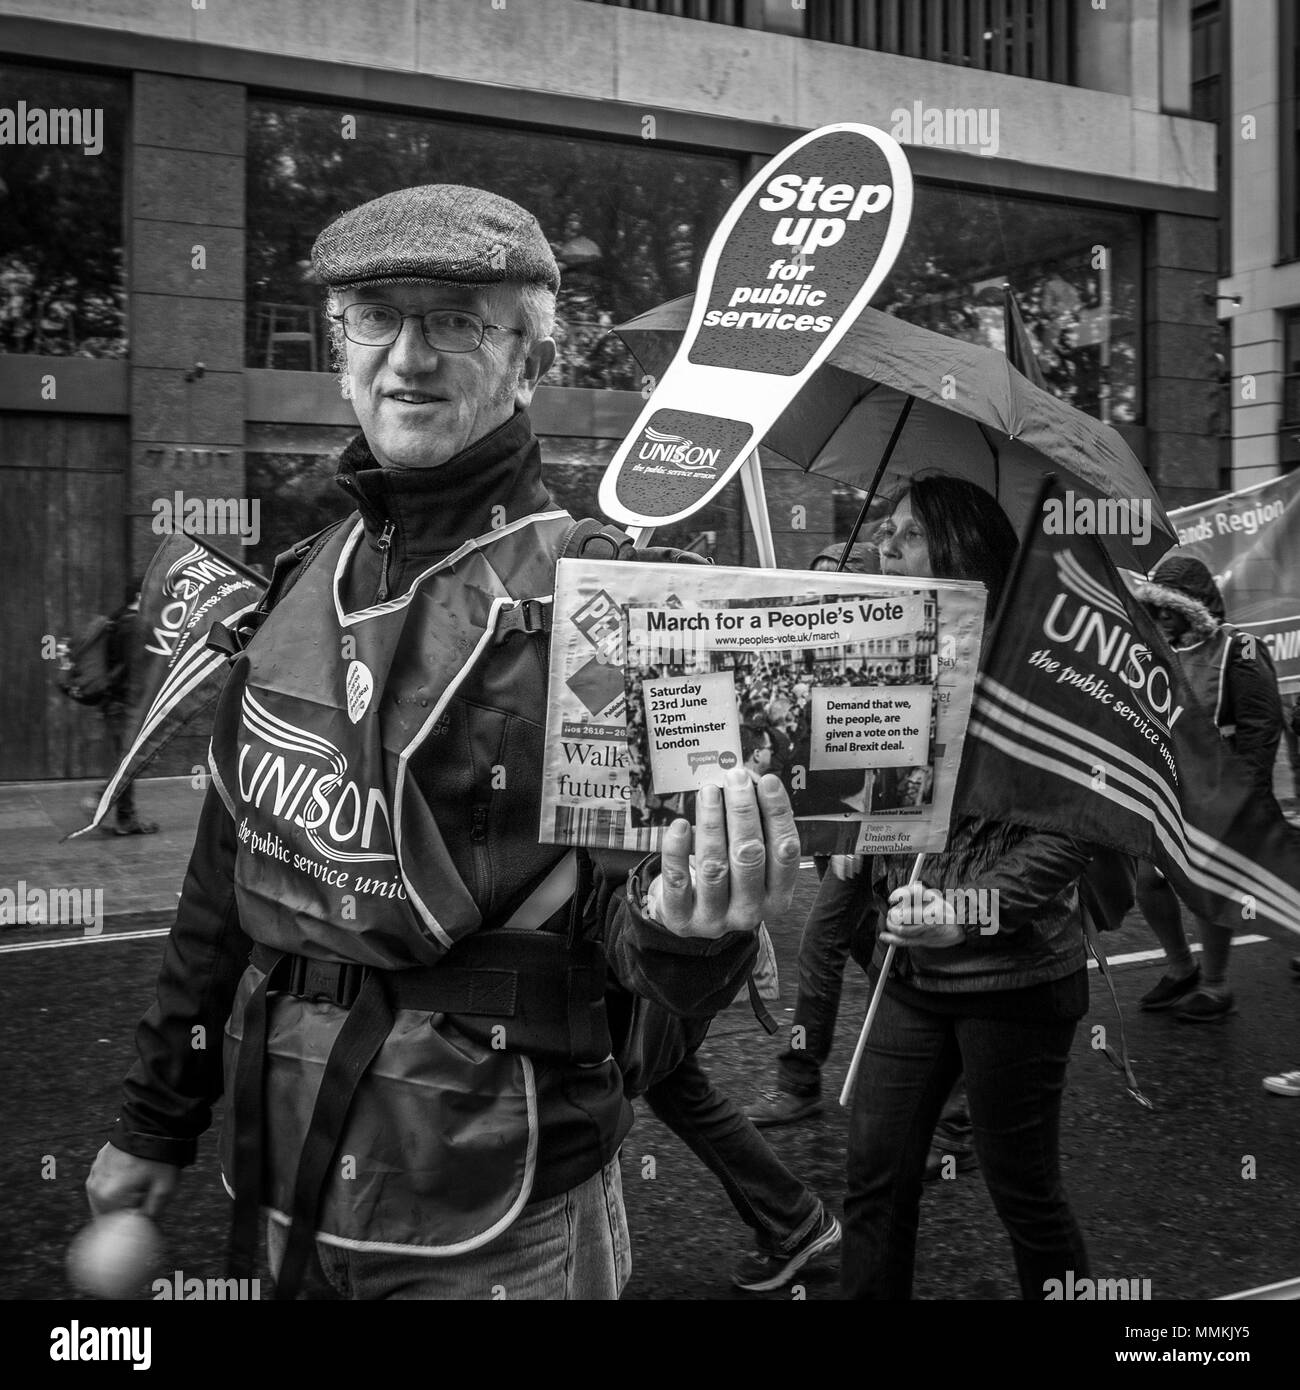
(1233, 677)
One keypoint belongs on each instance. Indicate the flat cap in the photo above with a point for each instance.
(441, 231)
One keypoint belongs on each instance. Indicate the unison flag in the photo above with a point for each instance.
(1083, 723)
(186, 589)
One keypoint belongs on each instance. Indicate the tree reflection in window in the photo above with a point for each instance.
(61, 257)
(628, 223)
(1075, 271)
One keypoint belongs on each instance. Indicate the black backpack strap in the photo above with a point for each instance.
(587, 539)
(285, 573)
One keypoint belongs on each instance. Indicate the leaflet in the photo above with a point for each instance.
(854, 689)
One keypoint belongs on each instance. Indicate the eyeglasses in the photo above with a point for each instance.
(445, 330)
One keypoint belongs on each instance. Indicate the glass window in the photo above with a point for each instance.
(1207, 62)
(62, 138)
(1291, 367)
(628, 223)
(1288, 144)
(1075, 271)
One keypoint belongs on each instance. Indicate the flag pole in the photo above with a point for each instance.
(846, 1094)
(238, 565)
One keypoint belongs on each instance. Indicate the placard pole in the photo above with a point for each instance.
(751, 482)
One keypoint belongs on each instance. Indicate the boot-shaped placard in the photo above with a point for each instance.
(794, 262)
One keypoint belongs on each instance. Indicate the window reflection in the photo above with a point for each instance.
(61, 258)
(628, 223)
(1075, 273)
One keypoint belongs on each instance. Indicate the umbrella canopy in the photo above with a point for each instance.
(968, 413)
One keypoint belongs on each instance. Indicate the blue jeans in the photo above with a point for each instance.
(1015, 1078)
(766, 1194)
(823, 954)
(572, 1246)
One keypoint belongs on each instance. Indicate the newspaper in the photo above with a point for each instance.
(658, 672)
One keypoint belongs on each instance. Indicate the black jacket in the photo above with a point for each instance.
(1039, 930)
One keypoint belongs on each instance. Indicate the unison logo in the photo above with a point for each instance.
(676, 449)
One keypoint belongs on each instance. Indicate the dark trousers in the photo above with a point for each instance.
(823, 954)
(1015, 1078)
(117, 721)
(766, 1194)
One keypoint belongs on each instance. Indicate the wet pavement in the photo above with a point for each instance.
(1199, 1196)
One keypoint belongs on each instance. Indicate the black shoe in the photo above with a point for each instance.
(1169, 991)
(136, 827)
(1295, 965)
(760, 1271)
(1205, 1007)
(781, 1108)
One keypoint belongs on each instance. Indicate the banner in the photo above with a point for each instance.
(794, 262)
(654, 666)
(1250, 541)
(186, 589)
(1084, 724)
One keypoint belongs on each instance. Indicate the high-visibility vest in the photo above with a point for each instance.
(339, 858)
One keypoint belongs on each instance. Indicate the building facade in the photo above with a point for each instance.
(1259, 295)
(159, 342)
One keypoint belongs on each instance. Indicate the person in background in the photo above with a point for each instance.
(824, 944)
(1000, 1009)
(1233, 678)
(120, 705)
(1291, 736)
(863, 560)
(755, 751)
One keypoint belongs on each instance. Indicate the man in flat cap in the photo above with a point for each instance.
(407, 986)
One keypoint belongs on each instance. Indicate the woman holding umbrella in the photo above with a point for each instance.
(1000, 1007)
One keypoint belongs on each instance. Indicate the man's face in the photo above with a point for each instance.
(419, 407)
(1172, 623)
(760, 760)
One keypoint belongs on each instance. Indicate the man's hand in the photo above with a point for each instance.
(921, 916)
(121, 1180)
(746, 860)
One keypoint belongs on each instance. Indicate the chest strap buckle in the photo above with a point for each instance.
(331, 981)
(529, 615)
